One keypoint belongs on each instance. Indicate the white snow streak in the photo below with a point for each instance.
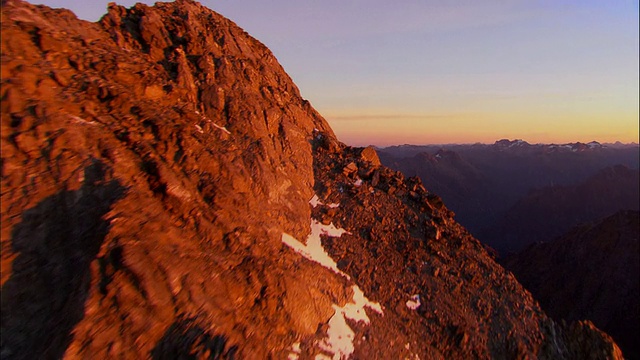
(221, 127)
(339, 340)
(355, 311)
(313, 250)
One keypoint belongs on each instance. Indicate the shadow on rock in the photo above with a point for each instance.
(56, 242)
(185, 339)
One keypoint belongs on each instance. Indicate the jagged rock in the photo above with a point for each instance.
(155, 203)
(326, 142)
(369, 154)
(376, 178)
(350, 168)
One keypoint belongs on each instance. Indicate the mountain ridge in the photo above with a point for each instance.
(590, 272)
(162, 182)
(483, 183)
(546, 213)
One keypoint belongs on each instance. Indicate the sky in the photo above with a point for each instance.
(436, 71)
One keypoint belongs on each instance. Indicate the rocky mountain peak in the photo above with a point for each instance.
(167, 193)
(175, 66)
(506, 143)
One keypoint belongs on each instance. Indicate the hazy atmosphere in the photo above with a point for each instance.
(437, 72)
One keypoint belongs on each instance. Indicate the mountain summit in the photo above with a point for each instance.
(167, 193)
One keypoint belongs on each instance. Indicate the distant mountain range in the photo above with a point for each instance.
(551, 211)
(493, 188)
(592, 273)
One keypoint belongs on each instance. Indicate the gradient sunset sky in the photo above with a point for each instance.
(421, 72)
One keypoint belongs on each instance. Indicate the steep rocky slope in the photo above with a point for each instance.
(166, 192)
(590, 273)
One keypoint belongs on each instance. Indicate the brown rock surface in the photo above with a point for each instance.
(369, 154)
(151, 163)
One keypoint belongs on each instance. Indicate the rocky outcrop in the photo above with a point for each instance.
(590, 273)
(167, 193)
(205, 143)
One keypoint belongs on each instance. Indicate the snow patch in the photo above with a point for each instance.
(355, 311)
(295, 351)
(329, 230)
(339, 340)
(340, 336)
(315, 201)
(358, 183)
(313, 250)
(414, 303)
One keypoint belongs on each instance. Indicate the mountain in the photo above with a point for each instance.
(483, 183)
(446, 173)
(592, 273)
(167, 193)
(551, 211)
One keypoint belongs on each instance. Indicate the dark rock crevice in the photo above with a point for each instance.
(186, 339)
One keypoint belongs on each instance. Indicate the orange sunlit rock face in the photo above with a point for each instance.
(152, 164)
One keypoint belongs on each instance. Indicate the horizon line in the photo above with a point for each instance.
(618, 143)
